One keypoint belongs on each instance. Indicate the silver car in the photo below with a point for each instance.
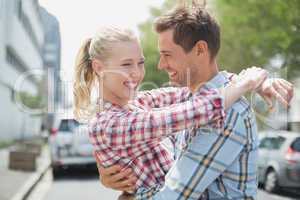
(70, 145)
(279, 160)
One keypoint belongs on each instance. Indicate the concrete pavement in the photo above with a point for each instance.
(16, 184)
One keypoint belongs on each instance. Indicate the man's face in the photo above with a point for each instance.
(173, 59)
(183, 68)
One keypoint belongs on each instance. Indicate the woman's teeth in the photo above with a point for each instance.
(130, 84)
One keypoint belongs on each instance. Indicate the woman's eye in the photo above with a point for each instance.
(126, 64)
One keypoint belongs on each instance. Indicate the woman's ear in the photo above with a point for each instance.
(97, 66)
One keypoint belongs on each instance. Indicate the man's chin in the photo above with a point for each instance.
(175, 83)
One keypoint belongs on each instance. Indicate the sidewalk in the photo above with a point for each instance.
(15, 185)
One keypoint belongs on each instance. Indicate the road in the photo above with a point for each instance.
(84, 185)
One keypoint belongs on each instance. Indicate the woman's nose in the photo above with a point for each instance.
(135, 73)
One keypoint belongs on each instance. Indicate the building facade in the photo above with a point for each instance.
(21, 50)
(52, 64)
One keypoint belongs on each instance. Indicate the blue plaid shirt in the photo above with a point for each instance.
(212, 164)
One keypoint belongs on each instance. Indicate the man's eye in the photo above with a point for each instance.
(142, 62)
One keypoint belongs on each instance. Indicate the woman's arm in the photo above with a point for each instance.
(162, 97)
(123, 130)
(272, 88)
(120, 130)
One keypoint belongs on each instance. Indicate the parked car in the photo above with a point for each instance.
(70, 145)
(279, 160)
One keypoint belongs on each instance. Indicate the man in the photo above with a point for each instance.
(210, 164)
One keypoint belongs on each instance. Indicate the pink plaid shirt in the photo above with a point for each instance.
(131, 135)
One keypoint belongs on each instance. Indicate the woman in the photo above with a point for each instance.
(127, 126)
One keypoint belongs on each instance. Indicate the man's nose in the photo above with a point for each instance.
(162, 64)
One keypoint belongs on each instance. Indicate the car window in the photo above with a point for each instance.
(265, 143)
(296, 145)
(68, 125)
(272, 143)
(277, 142)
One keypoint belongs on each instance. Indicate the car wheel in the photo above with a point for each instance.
(56, 172)
(271, 182)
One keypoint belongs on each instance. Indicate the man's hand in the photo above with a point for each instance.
(277, 88)
(125, 196)
(113, 177)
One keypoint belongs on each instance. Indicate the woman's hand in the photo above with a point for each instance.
(248, 80)
(251, 79)
(277, 88)
(113, 177)
(273, 88)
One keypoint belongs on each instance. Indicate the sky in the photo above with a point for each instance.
(81, 18)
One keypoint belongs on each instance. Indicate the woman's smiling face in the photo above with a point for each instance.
(123, 71)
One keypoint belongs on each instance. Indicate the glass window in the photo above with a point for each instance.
(277, 142)
(68, 125)
(271, 143)
(265, 143)
(296, 145)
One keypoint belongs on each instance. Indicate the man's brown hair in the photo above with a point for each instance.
(189, 25)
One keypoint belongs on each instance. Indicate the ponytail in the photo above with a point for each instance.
(84, 78)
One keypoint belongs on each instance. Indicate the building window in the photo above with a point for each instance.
(13, 59)
(1, 7)
(12, 93)
(25, 21)
(19, 8)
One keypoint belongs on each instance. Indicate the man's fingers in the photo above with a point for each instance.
(126, 197)
(126, 183)
(109, 170)
(123, 174)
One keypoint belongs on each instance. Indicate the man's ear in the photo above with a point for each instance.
(201, 47)
(97, 66)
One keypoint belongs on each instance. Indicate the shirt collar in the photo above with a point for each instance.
(219, 80)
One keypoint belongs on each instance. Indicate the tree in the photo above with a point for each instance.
(255, 32)
(154, 77)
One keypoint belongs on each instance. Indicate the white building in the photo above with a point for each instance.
(52, 64)
(21, 41)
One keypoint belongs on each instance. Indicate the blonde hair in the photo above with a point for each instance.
(98, 47)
